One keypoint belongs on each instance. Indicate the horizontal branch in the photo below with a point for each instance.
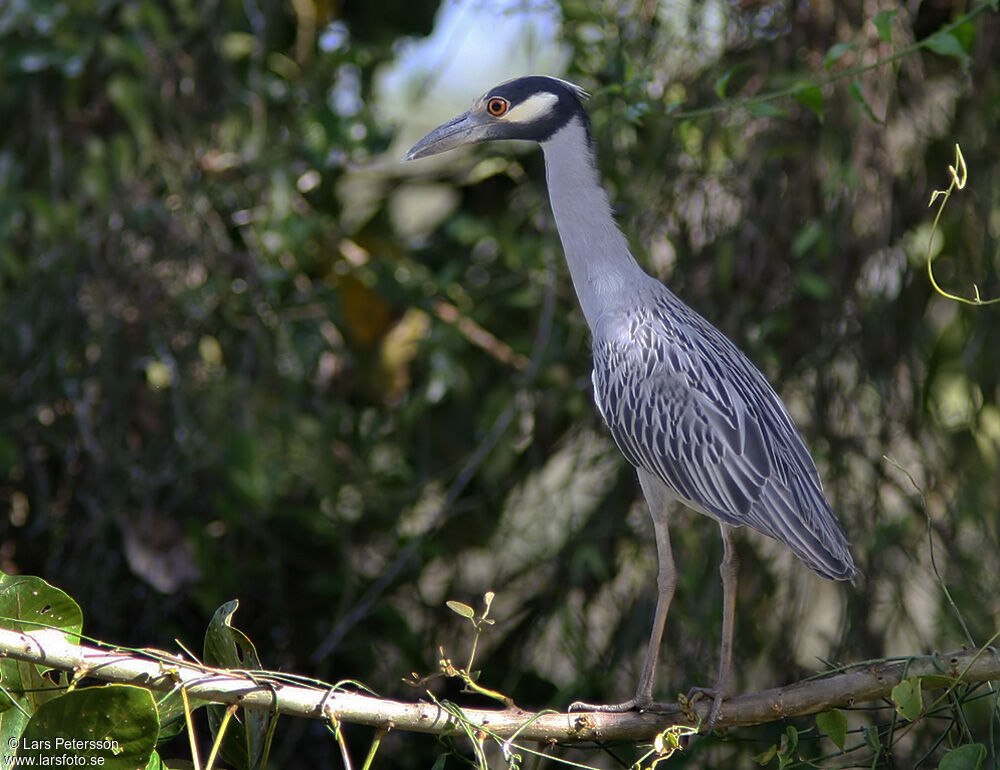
(273, 692)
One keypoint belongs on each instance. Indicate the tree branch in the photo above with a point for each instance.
(269, 691)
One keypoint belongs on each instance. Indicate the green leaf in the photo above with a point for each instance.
(909, 698)
(812, 98)
(765, 110)
(965, 34)
(807, 237)
(883, 24)
(226, 646)
(872, 739)
(461, 609)
(113, 727)
(30, 604)
(238, 45)
(815, 285)
(836, 51)
(790, 740)
(766, 756)
(946, 44)
(156, 763)
(855, 91)
(170, 709)
(283, 65)
(967, 757)
(38, 605)
(247, 741)
(834, 724)
(722, 83)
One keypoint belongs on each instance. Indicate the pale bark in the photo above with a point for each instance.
(155, 670)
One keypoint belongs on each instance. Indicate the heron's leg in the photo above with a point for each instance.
(666, 581)
(729, 570)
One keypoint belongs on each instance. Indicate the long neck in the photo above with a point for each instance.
(596, 251)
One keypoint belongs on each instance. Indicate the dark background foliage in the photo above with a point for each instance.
(230, 363)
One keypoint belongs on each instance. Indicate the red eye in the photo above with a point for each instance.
(497, 106)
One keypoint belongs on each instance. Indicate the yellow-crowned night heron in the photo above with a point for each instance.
(699, 422)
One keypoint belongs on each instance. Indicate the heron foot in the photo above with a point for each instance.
(716, 694)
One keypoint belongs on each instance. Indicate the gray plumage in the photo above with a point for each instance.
(682, 401)
(699, 422)
(684, 404)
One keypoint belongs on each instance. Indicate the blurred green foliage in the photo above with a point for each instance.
(227, 369)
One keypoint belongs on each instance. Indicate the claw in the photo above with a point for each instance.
(697, 693)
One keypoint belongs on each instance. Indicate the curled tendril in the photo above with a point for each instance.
(959, 176)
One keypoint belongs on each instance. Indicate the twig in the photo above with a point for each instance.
(263, 690)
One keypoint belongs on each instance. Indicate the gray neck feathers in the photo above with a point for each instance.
(597, 253)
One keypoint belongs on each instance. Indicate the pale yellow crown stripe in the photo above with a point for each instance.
(532, 108)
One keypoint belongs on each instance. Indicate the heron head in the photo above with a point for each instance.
(531, 108)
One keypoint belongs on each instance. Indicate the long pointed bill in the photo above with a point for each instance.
(459, 131)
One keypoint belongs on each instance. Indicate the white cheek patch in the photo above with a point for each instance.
(534, 107)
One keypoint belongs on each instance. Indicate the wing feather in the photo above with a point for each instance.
(684, 404)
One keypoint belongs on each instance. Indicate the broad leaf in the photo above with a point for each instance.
(834, 724)
(812, 98)
(30, 604)
(247, 740)
(883, 24)
(113, 727)
(909, 698)
(967, 757)
(946, 44)
(836, 51)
